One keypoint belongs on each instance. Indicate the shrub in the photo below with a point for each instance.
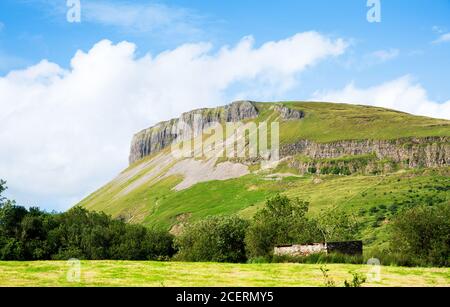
(357, 281)
(215, 239)
(423, 235)
(312, 170)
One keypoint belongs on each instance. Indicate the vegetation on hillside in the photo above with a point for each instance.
(419, 235)
(374, 199)
(149, 199)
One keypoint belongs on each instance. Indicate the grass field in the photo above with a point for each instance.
(175, 274)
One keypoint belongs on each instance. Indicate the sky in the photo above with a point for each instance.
(74, 91)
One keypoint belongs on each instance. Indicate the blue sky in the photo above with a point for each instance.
(34, 30)
(401, 62)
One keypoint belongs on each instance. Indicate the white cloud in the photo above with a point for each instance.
(138, 17)
(401, 94)
(444, 38)
(385, 55)
(438, 29)
(64, 133)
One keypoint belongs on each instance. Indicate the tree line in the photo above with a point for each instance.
(32, 234)
(418, 236)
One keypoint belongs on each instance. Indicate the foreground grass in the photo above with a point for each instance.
(175, 274)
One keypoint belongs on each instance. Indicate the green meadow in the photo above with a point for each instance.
(175, 274)
(372, 199)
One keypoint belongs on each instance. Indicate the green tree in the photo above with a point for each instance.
(2, 189)
(11, 217)
(282, 221)
(337, 225)
(215, 239)
(423, 235)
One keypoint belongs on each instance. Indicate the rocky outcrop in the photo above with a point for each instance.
(410, 152)
(240, 110)
(164, 134)
(289, 114)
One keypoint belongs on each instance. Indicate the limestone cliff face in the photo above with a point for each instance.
(156, 138)
(289, 114)
(406, 152)
(410, 152)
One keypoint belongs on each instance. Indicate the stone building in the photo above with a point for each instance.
(353, 248)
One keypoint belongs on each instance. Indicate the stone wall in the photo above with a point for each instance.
(300, 250)
(352, 248)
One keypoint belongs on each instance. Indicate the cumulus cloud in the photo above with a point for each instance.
(401, 94)
(65, 132)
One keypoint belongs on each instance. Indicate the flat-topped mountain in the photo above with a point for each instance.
(357, 157)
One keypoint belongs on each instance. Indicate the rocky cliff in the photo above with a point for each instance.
(410, 152)
(156, 138)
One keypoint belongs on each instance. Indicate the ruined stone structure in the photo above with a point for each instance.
(300, 250)
(347, 248)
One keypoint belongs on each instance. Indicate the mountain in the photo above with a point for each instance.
(368, 160)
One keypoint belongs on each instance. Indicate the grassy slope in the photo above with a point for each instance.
(327, 122)
(154, 203)
(173, 274)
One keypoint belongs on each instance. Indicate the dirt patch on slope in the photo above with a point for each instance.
(195, 171)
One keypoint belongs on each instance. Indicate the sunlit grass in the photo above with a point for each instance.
(176, 274)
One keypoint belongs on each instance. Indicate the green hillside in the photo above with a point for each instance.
(146, 193)
(329, 122)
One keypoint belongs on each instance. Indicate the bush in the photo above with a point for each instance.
(423, 235)
(357, 281)
(215, 239)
